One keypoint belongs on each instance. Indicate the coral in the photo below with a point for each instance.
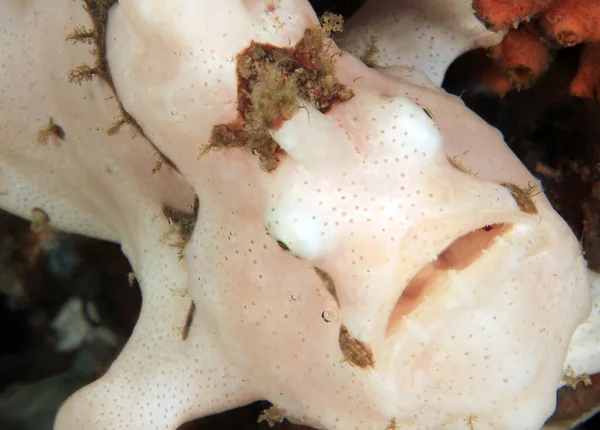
(565, 23)
(502, 14)
(366, 280)
(430, 34)
(571, 22)
(586, 83)
(523, 55)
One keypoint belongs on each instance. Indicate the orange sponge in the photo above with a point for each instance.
(586, 83)
(523, 55)
(501, 14)
(571, 22)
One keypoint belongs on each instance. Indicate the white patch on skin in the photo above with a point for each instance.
(426, 34)
(584, 349)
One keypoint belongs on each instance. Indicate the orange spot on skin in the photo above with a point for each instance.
(272, 7)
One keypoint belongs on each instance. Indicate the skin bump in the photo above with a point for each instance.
(328, 284)
(523, 197)
(189, 319)
(356, 352)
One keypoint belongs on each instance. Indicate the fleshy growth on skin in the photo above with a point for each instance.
(181, 226)
(371, 51)
(271, 80)
(49, 130)
(332, 23)
(455, 162)
(189, 319)
(328, 284)
(571, 379)
(356, 352)
(82, 35)
(470, 421)
(524, 197)
(40, 221)
(272, 416)
(393, 425)
(158, 166)
(98, 12)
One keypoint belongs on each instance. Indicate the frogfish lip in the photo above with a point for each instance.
(459, 255)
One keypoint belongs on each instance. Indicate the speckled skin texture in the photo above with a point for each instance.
(427, 34)
(464, 304)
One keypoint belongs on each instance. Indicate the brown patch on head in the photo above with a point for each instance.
(328, 284)
(355, 351)
(271, 80)
(524, 197)
(49, 130)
